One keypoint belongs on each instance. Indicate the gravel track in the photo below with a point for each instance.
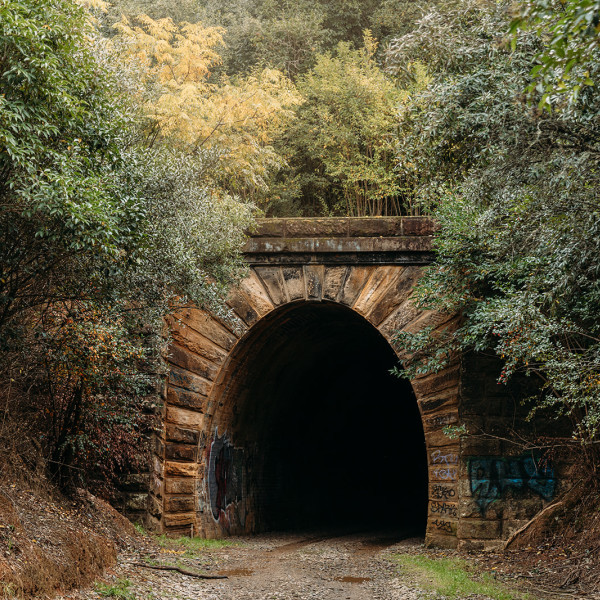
(275, 567)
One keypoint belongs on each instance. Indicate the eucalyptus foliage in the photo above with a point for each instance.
(514, 190)
(570, 31)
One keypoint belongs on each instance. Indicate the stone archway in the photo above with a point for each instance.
(207, 363)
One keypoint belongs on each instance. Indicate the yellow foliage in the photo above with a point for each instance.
(238, 118)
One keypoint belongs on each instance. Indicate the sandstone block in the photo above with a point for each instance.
(398, 319)
(188, 381)
(182, 435)
(440, 419)
(418, 226)
(157, 467)
(154, 506)
(434, 382)
(441, 525)
(186, 399)
(374, 227)
(156, 486)
(314, 276)
(443, 474)
(381, 279)
(181, 452)
(190, 361)
(272, 279)
(443, 400)
(184, 417)
(258, 297)
(205, 324)
(180, 486)
(443, 509)
(479, 529)
(178, 504)
(316, 227)
(437, 540)
(158, 446)
(176, 521)
(242, 307)
(269, 228)
(136, 502)
(429, 318)
(334, 277)
(437, 438)
(293, 279)
(356, 279)
(196, 343)
(180, 469)
(394, 295)
(444, 492)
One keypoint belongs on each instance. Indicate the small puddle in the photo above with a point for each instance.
(349, 579)
(236, 572)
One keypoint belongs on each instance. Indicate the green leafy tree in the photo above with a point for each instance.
(569, 61)
(101, 234)
(514, 191)
(343, 140)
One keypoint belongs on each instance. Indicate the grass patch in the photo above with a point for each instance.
(450, 578)
(119, 589)
(140, 529)
(189, 547)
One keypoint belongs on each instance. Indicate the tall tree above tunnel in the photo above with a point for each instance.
(341, 145)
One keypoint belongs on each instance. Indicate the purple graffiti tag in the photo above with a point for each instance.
(438, 457)
(445, 473)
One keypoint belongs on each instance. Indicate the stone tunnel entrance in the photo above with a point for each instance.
(283, 414)
(312, 430)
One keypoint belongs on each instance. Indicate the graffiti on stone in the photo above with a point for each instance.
(444, 458)
(491, 476)
(442, 525)
(445, 473)
(440, 420)
(225, 474)
(444, 508)
(442, 492)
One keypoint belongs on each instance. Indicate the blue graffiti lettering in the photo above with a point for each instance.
(491, 476)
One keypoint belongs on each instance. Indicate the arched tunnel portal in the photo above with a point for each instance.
(310, 428)
(283, 413)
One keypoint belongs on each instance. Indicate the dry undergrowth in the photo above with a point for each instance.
(559, 555)
(49, 544)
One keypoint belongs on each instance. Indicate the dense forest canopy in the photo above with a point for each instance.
(274, 70)
(140, 139)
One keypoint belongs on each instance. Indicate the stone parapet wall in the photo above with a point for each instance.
(348, 240)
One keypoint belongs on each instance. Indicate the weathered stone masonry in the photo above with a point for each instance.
(364, 269)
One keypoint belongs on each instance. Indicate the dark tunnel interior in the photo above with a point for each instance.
(332, 438)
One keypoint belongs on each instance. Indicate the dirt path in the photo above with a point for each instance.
(276, 567)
